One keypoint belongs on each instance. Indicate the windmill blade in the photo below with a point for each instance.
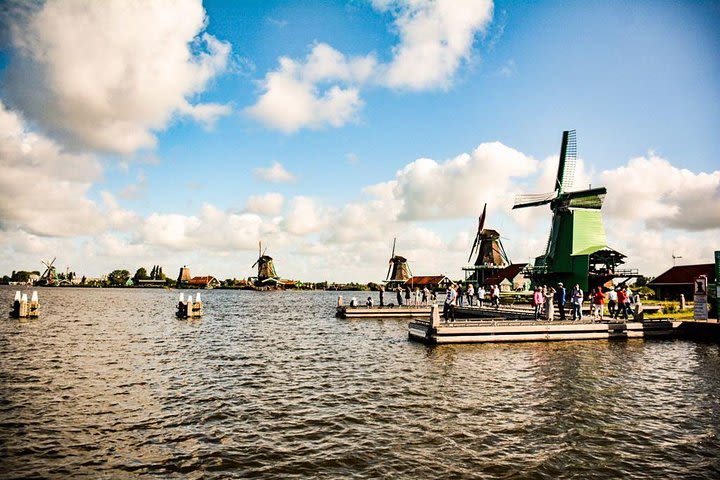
(392, 255)
(387, 276)
(534, 199)
(475, 245)
(568, 158)
(263, 254)
(481, 224)
(591, 198)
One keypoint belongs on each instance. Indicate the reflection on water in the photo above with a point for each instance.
(108, 383)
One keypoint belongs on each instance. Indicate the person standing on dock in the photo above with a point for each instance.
(577, 300)
(425, 295)
(537, 302)
(623, 304)
(598, 301)
(399, 295)
(449, 305)
(416, 296)
(560, 298)
(495, 296)
(481, 295)
(408, 295)
(612, 302)
(549, 305)
(470, 294)
(459, 295)
(382, 292)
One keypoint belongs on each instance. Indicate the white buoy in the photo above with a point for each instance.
(197, 297)
(182, 297)
(17, 296)
(34, 296)
(24, 297)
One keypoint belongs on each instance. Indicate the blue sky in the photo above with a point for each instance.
(149, 137)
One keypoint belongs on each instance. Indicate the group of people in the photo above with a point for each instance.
(455, 295)
(620, 301)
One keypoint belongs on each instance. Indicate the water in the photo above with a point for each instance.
(109, 384)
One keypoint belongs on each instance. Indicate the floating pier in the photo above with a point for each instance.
(21, 308)
(388, 311)
(188, 308)
(435, 331)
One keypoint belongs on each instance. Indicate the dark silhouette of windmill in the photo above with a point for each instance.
(49, 276)
(265, 266)
(398, 269)
(491, 255)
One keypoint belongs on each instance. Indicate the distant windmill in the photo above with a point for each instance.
(49, 276)
(266, 269)
(577, 230)
(675, 257)
(398, 268)
(487, 243)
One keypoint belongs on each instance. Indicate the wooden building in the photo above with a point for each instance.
(679, 280)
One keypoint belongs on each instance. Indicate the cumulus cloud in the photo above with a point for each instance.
(323, 89)
(300, 93)
(212, 228)
(276, 173)
(653, 192)
(106, 75)
(266, 204)
(305, 216)
(458, 187)
(435, 37)
(45, 189)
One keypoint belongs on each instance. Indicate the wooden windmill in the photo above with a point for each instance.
(398, 269)
(491, 256)
(49, 276)
(577, 231)
(265, 266)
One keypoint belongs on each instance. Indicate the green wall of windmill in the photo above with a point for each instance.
(569, 233)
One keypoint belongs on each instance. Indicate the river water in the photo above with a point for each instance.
(107, 383)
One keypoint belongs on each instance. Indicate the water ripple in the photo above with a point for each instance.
(107, 383)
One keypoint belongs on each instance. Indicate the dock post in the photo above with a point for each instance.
(434, 316)
(34, 306)
(682, 301)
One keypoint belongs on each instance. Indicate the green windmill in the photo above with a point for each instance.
(577, 249)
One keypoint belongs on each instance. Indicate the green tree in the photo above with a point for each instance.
(118, 278)
(140, 274)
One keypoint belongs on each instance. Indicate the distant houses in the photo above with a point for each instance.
(679, 280)
(432, 282)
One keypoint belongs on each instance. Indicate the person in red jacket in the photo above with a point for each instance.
(622, 304)
(598, 301)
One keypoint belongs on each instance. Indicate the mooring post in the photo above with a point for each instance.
(340, 303)
(682, 301)
(434, 316)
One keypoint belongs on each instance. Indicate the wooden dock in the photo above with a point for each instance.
(344, 311)
(435, 331)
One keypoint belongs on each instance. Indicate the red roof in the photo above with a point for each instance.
(201, 280)
(509, 272)
(422, 280)
(685, 274)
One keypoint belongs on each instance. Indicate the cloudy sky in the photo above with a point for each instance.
(176, 132)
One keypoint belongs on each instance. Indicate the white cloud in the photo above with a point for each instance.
(324, 88)
(460, 186)
(305, 216)
(266, 204)
(44, 188)
(297, 94)
(276, 173)
(435, 37)
(107, 74)
(654, 193)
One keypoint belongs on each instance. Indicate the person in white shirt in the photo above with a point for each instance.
(470, 293)
(449, 305)
(481, 295)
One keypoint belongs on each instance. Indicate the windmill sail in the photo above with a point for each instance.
(568, 158)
